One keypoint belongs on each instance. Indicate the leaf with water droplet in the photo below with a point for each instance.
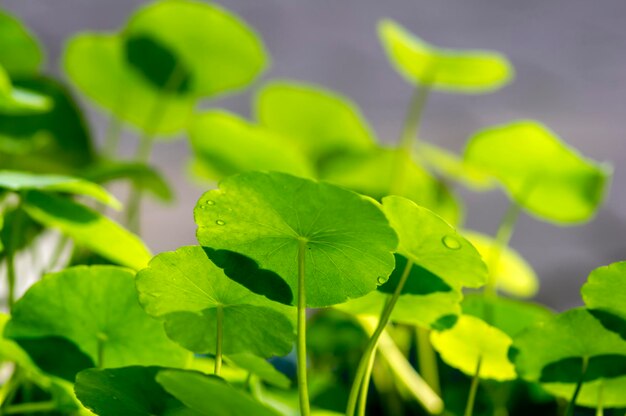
(348, 240)
(185, 289)
(56, 306)
(539, 171)
(463, 71)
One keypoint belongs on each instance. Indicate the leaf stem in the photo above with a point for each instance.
(600, 403)
(35, 407)
(501, 241)
(303, 391)
(427, 359)
(112, 136)
(469, 408)
(102, 339)
(370, 350)
(572, 403)
(11, 250)
(218, 342)
(366, 385)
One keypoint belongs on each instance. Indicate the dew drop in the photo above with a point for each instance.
(220, 222)
(210, 202)
(382, 280)
(451, 242)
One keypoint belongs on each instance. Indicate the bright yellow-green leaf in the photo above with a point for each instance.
(470, 340)
(19, 101)
(539, 171)
(321, 123)
(605, 294)
(469, 71)
(606, 392)
(225, 144)
(513, 274)
(20, 53)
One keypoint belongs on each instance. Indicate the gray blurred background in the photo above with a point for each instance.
(570, 57)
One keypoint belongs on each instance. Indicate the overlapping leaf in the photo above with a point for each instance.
(605, 294)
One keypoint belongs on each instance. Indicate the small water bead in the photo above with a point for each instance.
(451, 242)
(382, 280)
(210, 202)
(220, 222)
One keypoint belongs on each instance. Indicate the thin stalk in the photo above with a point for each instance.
(366, 385)
(11, 250)
(102, 339)
(112, 136)
(501, 241)
(572, 403)
(303, 391)
(218, 342)
(600, 403)
(427, 359)
(469, 408)
(9, 388)
(370, 350)
(35, 407)
(58, 252)
(408, 136)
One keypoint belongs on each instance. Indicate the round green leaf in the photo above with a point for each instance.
(509, 315)
(97, 309)
(372, 174)
(540, 172)
(25, 181)
(20, 53)
(605, 294)
(87, 227)
(128, 391)
(210, 395)
(605, 392)
(320, 122)
(96, 65)
(513, 274)
(185, 289)
(554, 351)
(267, 216)
(221, 52)
(465, 71)
(225, 144)
(429, 242)
(470, 340)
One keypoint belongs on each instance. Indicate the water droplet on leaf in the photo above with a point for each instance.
(210, 202)
(220, 222)
(382, 280)
(451, 242)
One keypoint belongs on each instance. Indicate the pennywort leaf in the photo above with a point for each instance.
(20, 53)
(604, 295)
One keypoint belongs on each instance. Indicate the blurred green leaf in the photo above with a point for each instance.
(260, 368)
(539, 171)
(20, 53)
(464, 71)
(267, 217)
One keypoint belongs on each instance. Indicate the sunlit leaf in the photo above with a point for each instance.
(604, 392)
(17, 101)
(513, 274)
(267, 217)
(20, 53)
(24, 181)
(605, 294)
(260, 368)
(468, 71)
(210, 395)
(554, 351)
(186, 290)
(321, 123)
(96, 308)
(128, 391)
(225, 144)
(471, 340)
(539, 171)
(88, 227)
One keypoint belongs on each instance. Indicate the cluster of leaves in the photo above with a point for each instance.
(312, 211)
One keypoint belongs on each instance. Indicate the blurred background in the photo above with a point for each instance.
(570, 59)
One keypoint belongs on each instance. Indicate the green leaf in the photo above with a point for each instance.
(605, 294)
(267, 217)
(20, 53)
(320, 122)
(463, 71)
(372, 174)
(429, 242)
(426, 300)
(97, 309)
(18, 101)
(260, 368)
(539, 171)
(96, 64)
(25, 181)
(89, 228)
(186, 290)
(509, 315)
(128, 391)
(225, 144)
(142, 177)
(220, 51)
(451, 166)
(605, 392)
(513, 274)
(470, 340)
(60, 140)
(210, 395)
(554, 351)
